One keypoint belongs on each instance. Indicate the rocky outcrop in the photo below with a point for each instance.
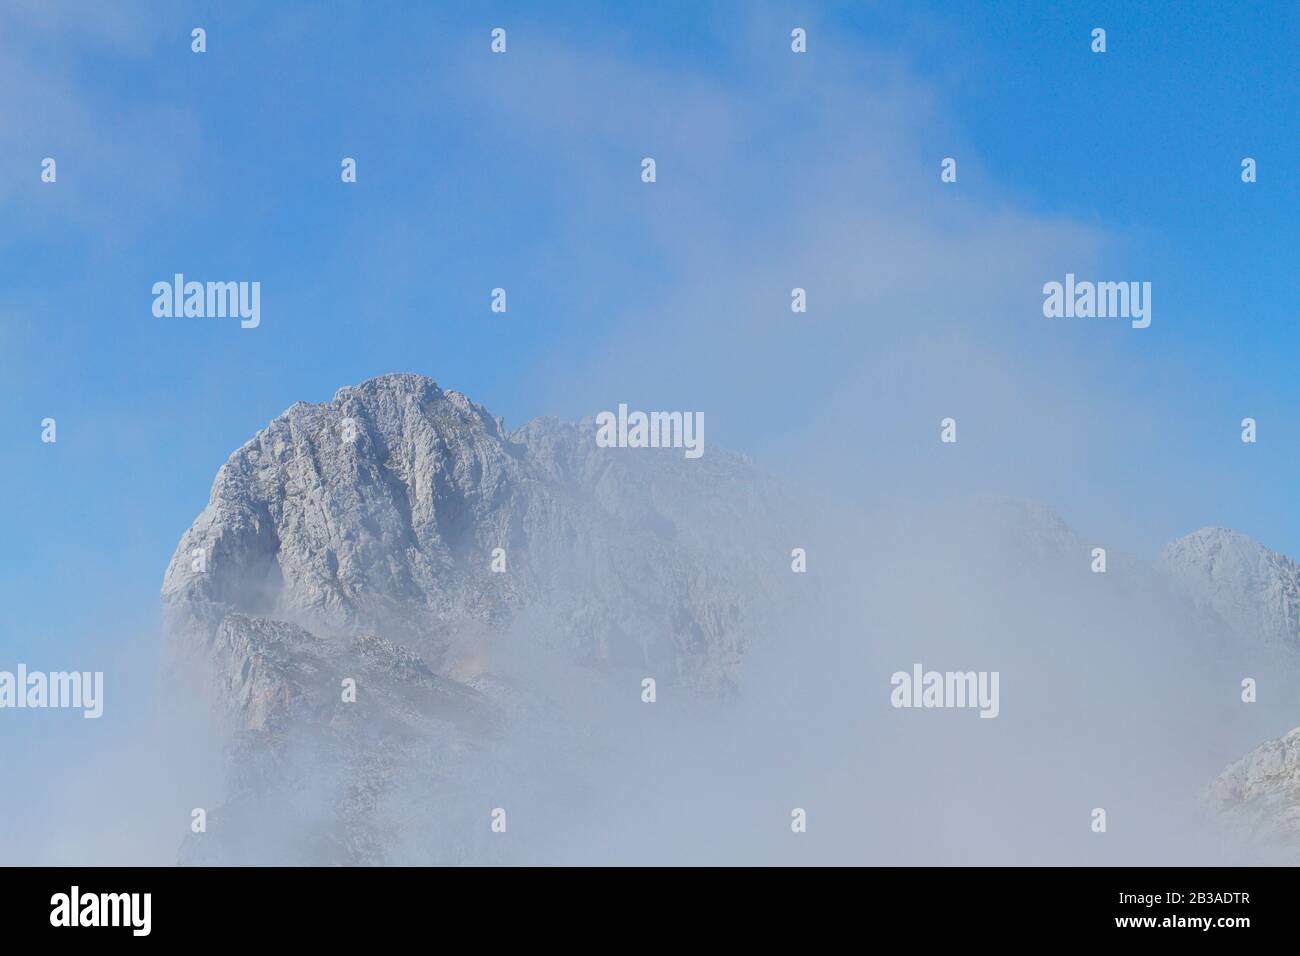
(391, 538)
(1254, 591)
(388, 509)
(384, 587)
(1259, 795)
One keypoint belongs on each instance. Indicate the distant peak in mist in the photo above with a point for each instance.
(1252, 588)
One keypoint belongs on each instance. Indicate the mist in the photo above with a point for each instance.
(924, 304)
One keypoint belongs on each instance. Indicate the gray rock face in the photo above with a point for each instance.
(1259, 795)
(1255, 594)
(358, 539)
(352, 544)
(383, 510)
(1255, 591)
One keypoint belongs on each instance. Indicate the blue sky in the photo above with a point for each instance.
(522, 171)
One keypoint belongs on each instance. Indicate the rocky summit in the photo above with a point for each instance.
(394, 538)
(408, 617)
(1255, 591)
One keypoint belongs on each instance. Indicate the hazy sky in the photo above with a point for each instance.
(523, 171)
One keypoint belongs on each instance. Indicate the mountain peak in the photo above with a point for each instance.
(405, 509)
(412, 383)
(1212, 534)
(1256, 591)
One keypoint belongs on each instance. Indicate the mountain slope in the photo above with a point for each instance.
(397, 537)
(1255, 591)
(408, 616)
(637, 555)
